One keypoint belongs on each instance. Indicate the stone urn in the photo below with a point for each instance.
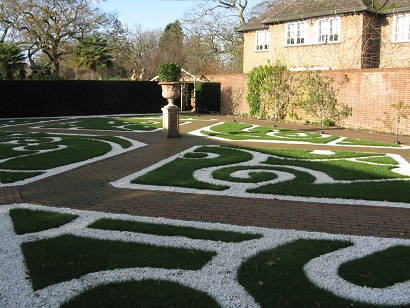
(170, 112)
(170, 91)
(169, 74)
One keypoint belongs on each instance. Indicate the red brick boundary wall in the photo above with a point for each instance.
(229, 84)
(369, 92)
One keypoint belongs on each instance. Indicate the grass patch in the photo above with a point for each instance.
(300, 154)
(379, 270)
(14, 122)
(33, 143)
(28, 221)
(372, 179)
(275, 278)
(10, 141)
(39, 152)
(343, 169)
(142, 294)
(170, 230)
(241, 131)
(351, 141)
(7, 151)
(225, 174)
(303, 186)
(195, 155)
(159, 117)
(380, 160)
(117, 124)
(23, 121)
(67, 257)
(179, 172)
(77, 149)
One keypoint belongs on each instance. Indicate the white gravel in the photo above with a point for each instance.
(217, 278)
(282, 139)
(237, 189)
(116, 149)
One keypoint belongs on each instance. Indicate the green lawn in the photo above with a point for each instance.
(27, 155)
(170, 230)
(346, 175)
(242, 131)
(115, 124)
(21, 121)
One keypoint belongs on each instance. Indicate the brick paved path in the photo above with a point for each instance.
(88, 188)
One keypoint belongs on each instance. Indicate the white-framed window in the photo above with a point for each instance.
(401, 28)
(262, 40)
(329, 30)
(295, 33)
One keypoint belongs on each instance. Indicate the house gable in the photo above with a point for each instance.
(301, 32)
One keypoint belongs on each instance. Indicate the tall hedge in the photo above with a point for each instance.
(40, 98)
(208, 96)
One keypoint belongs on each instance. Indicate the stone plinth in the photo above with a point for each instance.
(170, 120)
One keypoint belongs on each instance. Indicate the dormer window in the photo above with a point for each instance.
(262, 40)
(295, 33)
(329, 30)
(401, 28)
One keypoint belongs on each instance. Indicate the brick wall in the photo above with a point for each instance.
(370, 93)
(233, 89)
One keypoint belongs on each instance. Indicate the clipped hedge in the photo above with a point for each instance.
(41, 98)
(208, 96)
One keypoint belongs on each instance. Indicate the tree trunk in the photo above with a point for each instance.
(56, 71)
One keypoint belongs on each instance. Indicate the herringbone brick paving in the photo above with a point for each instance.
(88, 188)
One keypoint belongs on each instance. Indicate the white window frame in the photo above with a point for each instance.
(329, 30)
(401, 28)
(296, 33)
(262, 39)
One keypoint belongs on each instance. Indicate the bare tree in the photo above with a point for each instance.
(213, 25)
(50, 26)
(7, 18)
(401, 111)
(238, 6)
(260, 8)
(200, 57)
(144, 50)
(117, 37)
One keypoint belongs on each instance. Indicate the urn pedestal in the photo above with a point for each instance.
(170, 112)
(170, 124)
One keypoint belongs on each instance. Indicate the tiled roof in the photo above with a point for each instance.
(395, 6)
(286, 10)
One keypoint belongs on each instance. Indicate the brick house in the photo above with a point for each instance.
(331, 34)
